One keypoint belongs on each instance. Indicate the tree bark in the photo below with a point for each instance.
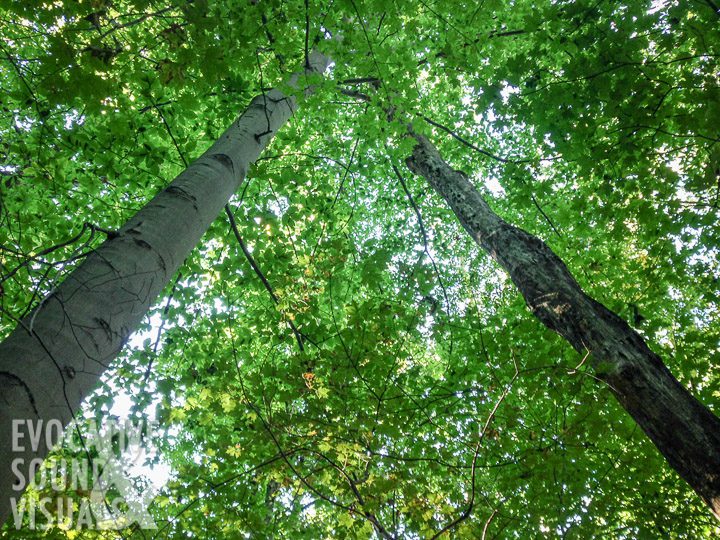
(685, 431)
(55, 357)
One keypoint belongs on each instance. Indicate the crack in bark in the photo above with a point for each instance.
(105, 327)
(19, 382)
(142, 243)
(224, 160)
(183, 194)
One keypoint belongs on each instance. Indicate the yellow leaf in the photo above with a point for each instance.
(325, 446)
(346, 520)
(234, 450)
(227, 402)
(177, 415)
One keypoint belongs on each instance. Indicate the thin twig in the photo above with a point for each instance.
(488, 522)
(166, 309)
(259, 273)
(423, 232)
(468, 143)
(471, 503)
(307, 35)
(36, 258)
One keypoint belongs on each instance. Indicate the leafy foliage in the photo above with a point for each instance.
(425, 398)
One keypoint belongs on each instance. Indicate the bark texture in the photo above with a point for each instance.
(686, 432)
(54, 358)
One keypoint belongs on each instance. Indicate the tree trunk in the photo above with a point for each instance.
(683, 429)
(55, 357)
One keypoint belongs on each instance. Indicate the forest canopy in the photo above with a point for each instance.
(337, 358)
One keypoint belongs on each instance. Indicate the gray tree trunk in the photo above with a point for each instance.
(683, 429)
(55, 357)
